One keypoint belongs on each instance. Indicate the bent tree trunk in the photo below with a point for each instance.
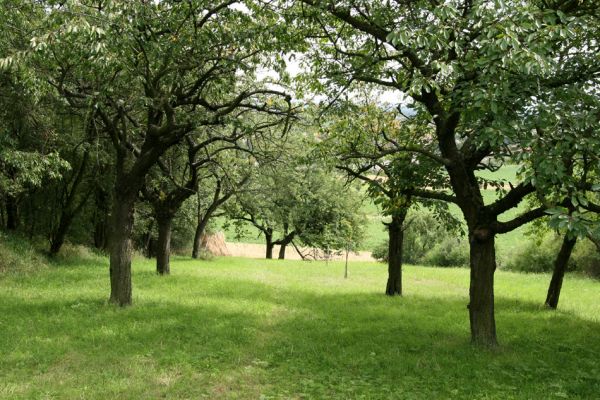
(58, 237)
(163, 250)
(396, 239)
(120, 244)
(560, 267)
(481, 290)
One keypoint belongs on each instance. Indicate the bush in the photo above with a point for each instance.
(538, 255)
(76, 254)
(450, 252)
(586, 257)
(428, 241)
(380, 252)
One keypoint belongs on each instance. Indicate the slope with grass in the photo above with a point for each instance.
(253, 329)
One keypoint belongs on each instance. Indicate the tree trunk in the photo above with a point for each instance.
(12, 213)
(58, 237)
(200, 228)
(120, 244)
(270, 245)
(163, 250)
(560, 267)
(100, 219)
(481, 291)
(148, 253)
(396, 239)
(282, 248)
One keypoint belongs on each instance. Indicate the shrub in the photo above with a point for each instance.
(428, 241)
(380, 252)
(586, 257)
(450, 252)
(537, 255)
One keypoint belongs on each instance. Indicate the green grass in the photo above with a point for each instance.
(250, 329)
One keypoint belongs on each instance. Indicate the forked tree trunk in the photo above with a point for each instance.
(396, 239)
(120, 245)
(560, 267)
(163, 250)
(481, 291)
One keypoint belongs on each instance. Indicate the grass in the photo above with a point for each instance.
(254, 329)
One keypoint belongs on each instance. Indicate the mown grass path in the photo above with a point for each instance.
(250, 329)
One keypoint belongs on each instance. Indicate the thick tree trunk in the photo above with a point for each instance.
(200, 228)
(120, 244)
(560, 267)
(163, 250)
(270, 245)
(396, 239)
(481, 291)
(12, 213)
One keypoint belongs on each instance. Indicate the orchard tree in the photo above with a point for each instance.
(296, 198)
(362, 139)
(154, 72)
(476, 73)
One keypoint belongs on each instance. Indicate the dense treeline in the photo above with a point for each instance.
(134, 124)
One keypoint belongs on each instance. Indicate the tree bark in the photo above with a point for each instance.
(560, 267)
(481, 290)
(396, 239)
(163, 250)
(120, 244)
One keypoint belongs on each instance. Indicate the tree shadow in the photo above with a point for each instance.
(299, 343)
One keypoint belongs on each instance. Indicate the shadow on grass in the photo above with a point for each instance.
(298, 343)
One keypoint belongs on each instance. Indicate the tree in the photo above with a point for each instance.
(473, 71)
(295, 197)
(154, 72)
(361, 139)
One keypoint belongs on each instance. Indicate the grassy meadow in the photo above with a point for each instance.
(255, 329)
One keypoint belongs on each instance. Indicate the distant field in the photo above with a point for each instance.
(255, 329)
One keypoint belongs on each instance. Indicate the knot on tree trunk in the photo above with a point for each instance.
(481, 234)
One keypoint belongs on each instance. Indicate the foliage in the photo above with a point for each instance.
(429, 241)
(538, 255)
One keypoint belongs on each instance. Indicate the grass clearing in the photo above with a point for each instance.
(250, 329)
